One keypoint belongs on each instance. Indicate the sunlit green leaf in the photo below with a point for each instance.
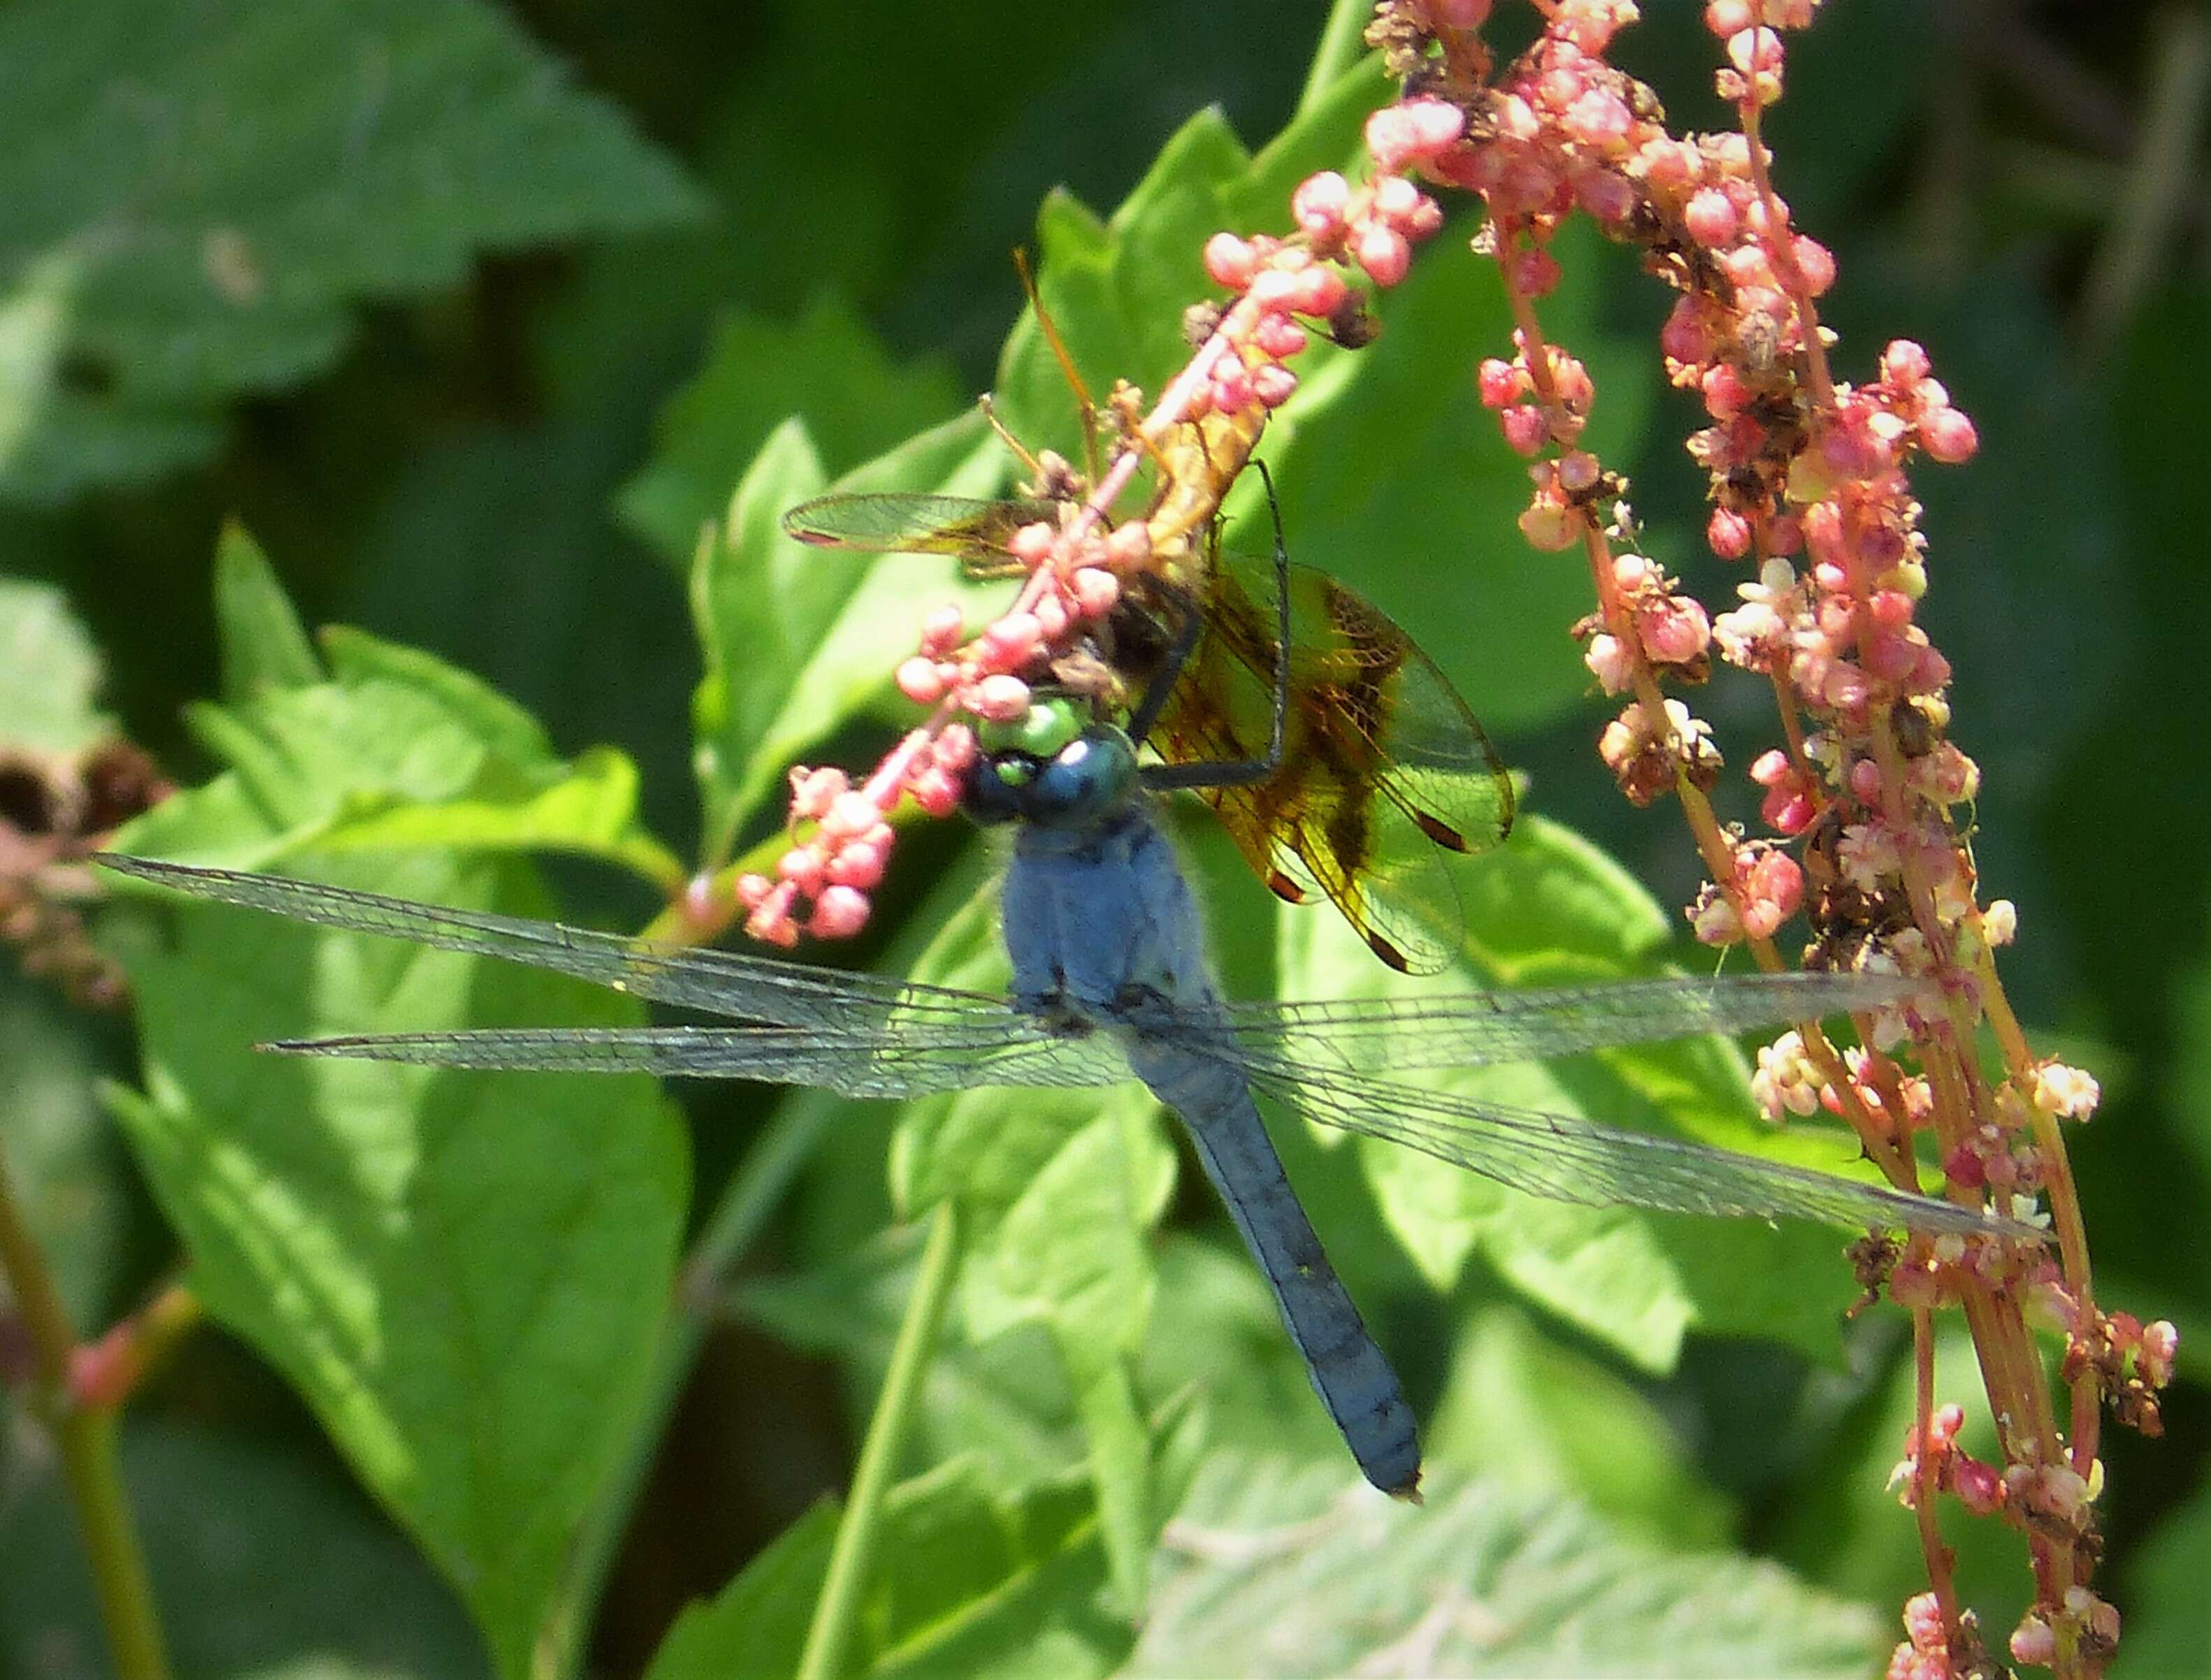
(1536, 1415)
(264, 644)
(49, 672)
(1276, 1568)
(798, 641)
(1549, 907)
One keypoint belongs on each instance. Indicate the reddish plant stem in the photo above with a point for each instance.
(1938, 1555)
(85, 1438)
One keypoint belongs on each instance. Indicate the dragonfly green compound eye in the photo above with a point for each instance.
(1085, 781)
(1041, 731)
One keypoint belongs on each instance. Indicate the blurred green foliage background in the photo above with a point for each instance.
(479, 397)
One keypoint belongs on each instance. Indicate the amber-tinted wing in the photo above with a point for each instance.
(1383, 767)
(894, 522)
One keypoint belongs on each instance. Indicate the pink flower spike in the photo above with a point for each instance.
(840, 913)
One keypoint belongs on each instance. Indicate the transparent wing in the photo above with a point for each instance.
(900, 522)
(1578, 1161)
(918, 1062)
(720, 982)
(1476, 1029)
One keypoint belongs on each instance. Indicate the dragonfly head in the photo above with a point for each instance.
(1052, 769)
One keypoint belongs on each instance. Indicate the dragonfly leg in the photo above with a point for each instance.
(1234, 772)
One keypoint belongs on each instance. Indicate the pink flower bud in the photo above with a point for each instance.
(753, 890)
(1011, 641)
(1001, 698)
(1318, 205)
(860, 866)
(1096, 590)
(1814, 262)
(1710, 217)
(1536, 272)
(2032, 1643)
(849, 816)
(1726, 18)
(1032, 544)
(1905, 363)
(1947, 436)
(1498, 382)
(942, 630)
(1548, 527)
(1728, 533)
(918, 681)
(1525, 429)
(1610, 662)
(840, 913)
(1385, 253)
(1278, 337)
(1272, 385)
(1230, 261)
(954, 748)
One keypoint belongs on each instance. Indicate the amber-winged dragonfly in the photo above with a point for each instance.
(1110, 979)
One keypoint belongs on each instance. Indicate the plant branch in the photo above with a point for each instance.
(850, 1560)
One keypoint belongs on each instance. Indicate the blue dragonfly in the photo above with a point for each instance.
(1111, 981)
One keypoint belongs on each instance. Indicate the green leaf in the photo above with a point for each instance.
(971, 1581)
(798, 642)
(1536, 1415)
(263, 1564)
(754, 1629)
(264, 645)
(48, 673)
(1275, 1570)
(1007, 1399)
(2168, 1619)
(195, 194)
(1549, 908)
(827, 368)
(462, 1274)
(396, 750)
